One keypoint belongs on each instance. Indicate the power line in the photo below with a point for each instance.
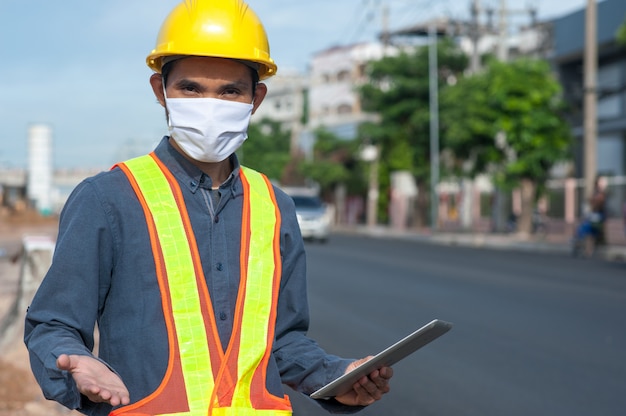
(358, 20)
(412, 11)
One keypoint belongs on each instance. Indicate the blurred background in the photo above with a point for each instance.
(487, 119)
(468, 115)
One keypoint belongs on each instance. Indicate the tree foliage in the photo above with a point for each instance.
(266, 149)
(508, 121)
(334, 162)
(399, 92)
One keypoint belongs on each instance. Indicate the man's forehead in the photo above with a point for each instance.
(172, 58)
(220, 71)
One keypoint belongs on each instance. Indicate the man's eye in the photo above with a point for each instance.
(188, 87)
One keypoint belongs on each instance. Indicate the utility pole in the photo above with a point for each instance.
(434, 124)
(503, 26)
(590, 111)
(475, 34)
(503, 50)
(385, 23)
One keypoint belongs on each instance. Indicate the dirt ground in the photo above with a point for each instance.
(19, 393)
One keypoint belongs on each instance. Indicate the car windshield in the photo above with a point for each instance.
(307, 202)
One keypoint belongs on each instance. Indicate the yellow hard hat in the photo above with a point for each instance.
(216, 28)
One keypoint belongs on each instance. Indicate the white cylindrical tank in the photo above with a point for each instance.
(39, 185)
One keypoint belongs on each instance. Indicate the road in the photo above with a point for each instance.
(534, 333)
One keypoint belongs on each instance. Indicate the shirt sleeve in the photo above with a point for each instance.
(62, 315)
(303, 364)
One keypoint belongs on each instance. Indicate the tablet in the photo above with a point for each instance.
(385, 358)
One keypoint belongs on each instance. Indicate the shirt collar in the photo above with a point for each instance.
(190, 175)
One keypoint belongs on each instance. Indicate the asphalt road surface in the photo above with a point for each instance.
(533, 334)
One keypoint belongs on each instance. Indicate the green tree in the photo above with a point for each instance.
(399, 93)
(334, 163)
(508, 121)
(266, 149)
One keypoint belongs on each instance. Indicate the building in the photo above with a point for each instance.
(286, 102)
(336, 73)
(568, 60)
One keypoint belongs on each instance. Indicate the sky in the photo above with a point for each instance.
(78, 66)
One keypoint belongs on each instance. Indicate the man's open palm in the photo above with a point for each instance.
(94, 379)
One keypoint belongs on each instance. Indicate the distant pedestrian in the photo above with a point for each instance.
(590, 232)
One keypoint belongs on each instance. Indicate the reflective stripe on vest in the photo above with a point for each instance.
(201, 378)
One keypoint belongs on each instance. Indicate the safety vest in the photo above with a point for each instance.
(201, 378)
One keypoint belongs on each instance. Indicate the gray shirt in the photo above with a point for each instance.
(103, 272)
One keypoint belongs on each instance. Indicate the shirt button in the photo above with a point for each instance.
(219, 267)
(223, 316)
(194, 183)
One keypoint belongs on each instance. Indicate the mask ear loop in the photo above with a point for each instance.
(163, 86)
(169, 124)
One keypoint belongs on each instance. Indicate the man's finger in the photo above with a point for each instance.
(64, 362)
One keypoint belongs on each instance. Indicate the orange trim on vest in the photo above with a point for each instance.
(258, 385)
(171, 396)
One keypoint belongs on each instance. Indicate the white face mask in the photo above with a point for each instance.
(208, 129)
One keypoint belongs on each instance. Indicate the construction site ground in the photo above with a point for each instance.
(19, 393)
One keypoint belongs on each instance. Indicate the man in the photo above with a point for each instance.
(192, 267)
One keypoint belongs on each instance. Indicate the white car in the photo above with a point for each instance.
(313, 217)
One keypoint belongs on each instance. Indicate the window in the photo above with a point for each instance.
(343, 76)
(344, 109)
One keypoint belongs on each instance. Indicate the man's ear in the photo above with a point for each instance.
(259, 95)
(156, 81)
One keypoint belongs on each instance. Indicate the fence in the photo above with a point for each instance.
(560, 210)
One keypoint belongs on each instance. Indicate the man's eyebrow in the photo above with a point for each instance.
(238, 84)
